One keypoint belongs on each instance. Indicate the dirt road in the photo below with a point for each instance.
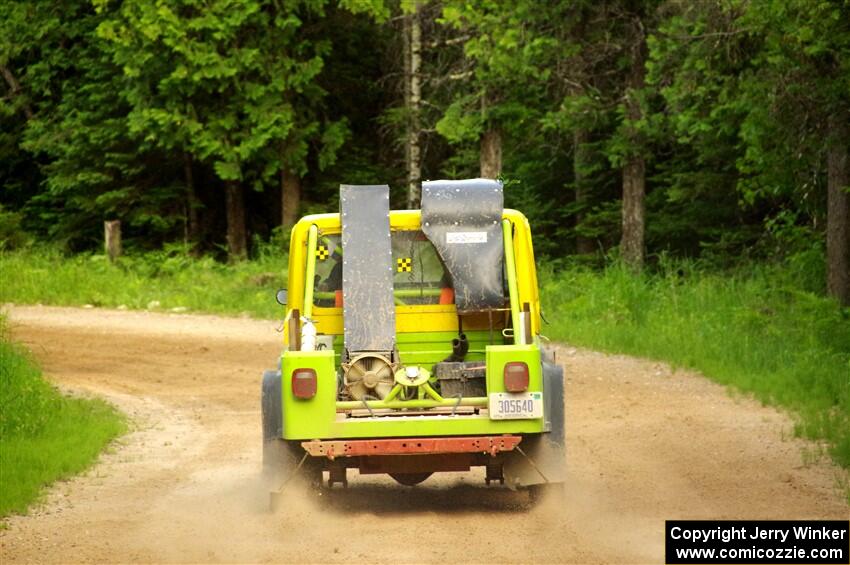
(645, 444)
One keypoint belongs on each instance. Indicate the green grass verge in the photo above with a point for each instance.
(759, 332)
(158, 280)
(44, 435)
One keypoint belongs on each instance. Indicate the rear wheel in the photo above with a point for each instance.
(282, 457)
(410, 479)
(552, 493)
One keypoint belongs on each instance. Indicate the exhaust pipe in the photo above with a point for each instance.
(460, 347)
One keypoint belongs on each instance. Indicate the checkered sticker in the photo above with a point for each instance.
(404, 264)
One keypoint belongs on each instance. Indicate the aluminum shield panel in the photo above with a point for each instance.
(367, 269)
(463, 219)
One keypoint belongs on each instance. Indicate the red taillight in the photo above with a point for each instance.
(516, 376)
(304, 383)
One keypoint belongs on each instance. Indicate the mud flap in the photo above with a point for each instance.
(270, 403)
(279, 461)
(542, 458)
(368, 307)
(463, 219)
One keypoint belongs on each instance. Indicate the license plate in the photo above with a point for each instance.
(516, 405)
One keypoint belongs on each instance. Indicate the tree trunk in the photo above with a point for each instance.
(634, 213)
(112, 239)
(290, 197)
(192, 232)
(634, 170)
(413, 100)
(581, 155)
(491, 153)
(838, 211)
(15, 89)
(237, 240)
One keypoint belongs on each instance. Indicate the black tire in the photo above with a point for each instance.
(281, 457)
(552, 493)
(410, 479)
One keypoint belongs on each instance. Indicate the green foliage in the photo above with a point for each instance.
(76, 130)
(159, 280)
(750, 88)
(553, 77)
(230, 81)
(12, 234)
(460, 123)
(120, 104)
(141, 112)
(116, 98)
(44, 436)
(757, 330)
(28, 401)
(378, 9)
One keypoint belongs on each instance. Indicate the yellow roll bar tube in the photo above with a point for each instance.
(310, 272)
(510, 267)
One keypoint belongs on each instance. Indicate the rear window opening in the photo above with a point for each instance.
(419, 277)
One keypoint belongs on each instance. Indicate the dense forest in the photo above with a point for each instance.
(634, 129)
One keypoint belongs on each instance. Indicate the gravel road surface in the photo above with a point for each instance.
(645, 444)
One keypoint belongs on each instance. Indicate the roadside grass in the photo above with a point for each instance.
(758, 331)
(45, 436)
(163, 280)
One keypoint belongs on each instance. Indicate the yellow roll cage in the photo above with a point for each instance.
(412, 318)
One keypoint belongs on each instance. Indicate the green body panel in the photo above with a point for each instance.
(500, 355)
(317, 418)
(426, 348)
(302, 417)
(398, 293)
